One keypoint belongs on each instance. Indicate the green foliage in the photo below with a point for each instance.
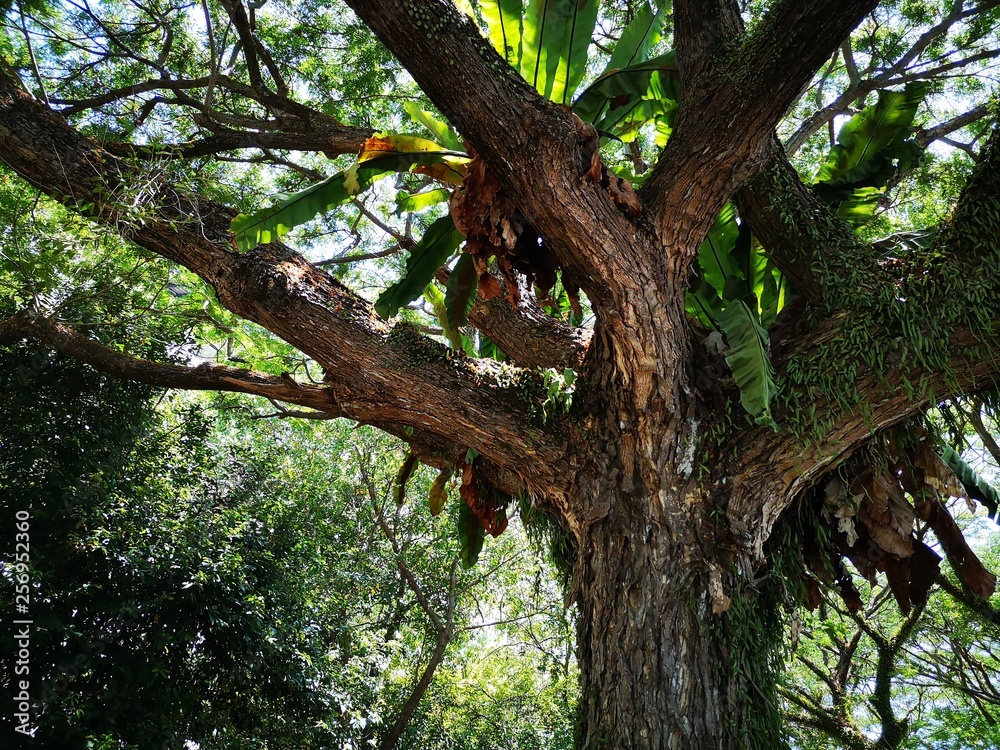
(642, 34)
(622, 100)
(870, 148)
(441, 131)
(437, 301)
(403, 476)
(739, 292)
(910, 321)
(555, 39)
(559, 387)
(437, 245)
(503, 20)
(166, 607)
(289, 211)
(748, 358)
(754, 658)
(226, 584)
(415, 202)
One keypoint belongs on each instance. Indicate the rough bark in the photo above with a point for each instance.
(784, 215)
(651, 669)
(529, 336)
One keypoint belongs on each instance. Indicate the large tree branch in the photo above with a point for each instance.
(536, 149)
(204, 377)
(529, 336)
(772, 469)
(322, 402)
(733, 102)
(330, 140)
(75, 106)
(380, 374)
(816, 251)
(703, 31)
(926, 136)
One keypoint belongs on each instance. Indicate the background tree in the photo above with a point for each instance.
(195, 582)
(877, 679)
(744, 350)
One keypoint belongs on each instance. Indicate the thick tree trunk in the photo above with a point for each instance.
(668, 659)
(675, 651)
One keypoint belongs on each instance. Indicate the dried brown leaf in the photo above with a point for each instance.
(969, 567)
(439, 492)
(887, 515)
(925, 565)
(590, 150)
(937, 473)
(813, 594)
(897, 573)
(621, 192)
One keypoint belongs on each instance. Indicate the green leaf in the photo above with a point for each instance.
(769, 290)
(434, 248)
(639, 37)
(470, 536)
(489, 350)
(503, 20)
(859, 206)
(620, 101)
(433, 295)
(420, 201)
(439, 129)
(578, 39)
(906, 242)
(741, 284)
(747, 358)
(289, 211)
(556, 37)
(703, 300)
(870, 141)
(460, 290)
(977, 487)
(715, 256)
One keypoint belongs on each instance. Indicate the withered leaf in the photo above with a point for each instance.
(849, 592)
(969, 567)
(439, 492)
(897, 573)
(489, 287)
(937, 473)
(925, 565)
(482, 501)
(590, 150)
(813, 594)
(840, 504)
(621, 192)
(403, 476)
(887, 515)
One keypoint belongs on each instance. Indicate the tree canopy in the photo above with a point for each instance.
(686, 279)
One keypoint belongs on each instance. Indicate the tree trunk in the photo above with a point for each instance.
(674, 651)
